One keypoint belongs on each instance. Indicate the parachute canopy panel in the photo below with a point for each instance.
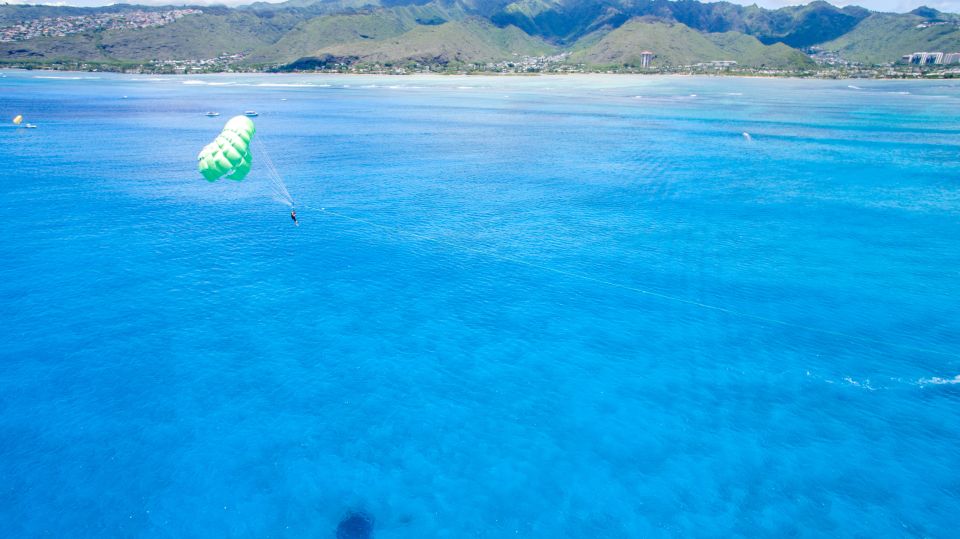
(229, 154)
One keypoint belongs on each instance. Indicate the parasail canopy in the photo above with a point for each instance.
(17, 119)
(229, 154)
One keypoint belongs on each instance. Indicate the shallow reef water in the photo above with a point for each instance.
(599, 306)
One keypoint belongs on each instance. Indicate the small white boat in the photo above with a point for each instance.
(212, 114)
(30, 126)
(250, 113)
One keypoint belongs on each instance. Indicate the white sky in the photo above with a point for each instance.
(952, 6)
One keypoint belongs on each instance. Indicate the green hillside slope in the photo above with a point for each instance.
(565, 21)
(748, 51)
(192, 37)
(676, 44)
(328, 30)
(470, 40)
(885, 37)
(48, 49)
(203, 36)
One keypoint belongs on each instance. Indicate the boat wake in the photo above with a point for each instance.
(891, 383)
(937, 381)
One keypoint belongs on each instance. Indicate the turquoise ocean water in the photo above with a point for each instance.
(533, 307)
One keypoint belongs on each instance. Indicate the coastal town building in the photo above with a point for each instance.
(931, 58)
(951, 58)
(62, 26)
(645, 58)
(717, 64)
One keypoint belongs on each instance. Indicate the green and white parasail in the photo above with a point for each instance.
(229, 154)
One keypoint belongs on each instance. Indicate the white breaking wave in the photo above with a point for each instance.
(893, 383)
(193, 82)
(864, 384)
(847, 381)
(937, 381)
(852, 87)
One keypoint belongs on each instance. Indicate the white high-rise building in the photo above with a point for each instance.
(951, 58)
(645, 58)
(924, 58)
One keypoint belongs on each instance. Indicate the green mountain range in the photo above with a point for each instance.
(677, 44)
(596, 33)
(885, 36)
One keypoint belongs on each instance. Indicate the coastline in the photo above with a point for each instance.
(492, 74)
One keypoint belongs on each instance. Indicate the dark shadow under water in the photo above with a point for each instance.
(355, 525)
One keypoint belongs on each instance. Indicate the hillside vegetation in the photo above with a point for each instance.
(193, 36)
(595, 32)
(884, 37)
(470, 40)
(677, 44)
(797, 26)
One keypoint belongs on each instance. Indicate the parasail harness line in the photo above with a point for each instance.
(650, 293)
(278, 188)
(230, 156)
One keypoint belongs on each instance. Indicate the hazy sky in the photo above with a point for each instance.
(876, 5)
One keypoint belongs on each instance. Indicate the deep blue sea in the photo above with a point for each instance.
(543, 307)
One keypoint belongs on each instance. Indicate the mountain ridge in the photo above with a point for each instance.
(453, 32)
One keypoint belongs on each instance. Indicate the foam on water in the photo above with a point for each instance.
(940, 381)
(57, 77)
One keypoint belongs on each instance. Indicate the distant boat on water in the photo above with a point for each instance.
(251, 113)
(212, 114)
(18, 121)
